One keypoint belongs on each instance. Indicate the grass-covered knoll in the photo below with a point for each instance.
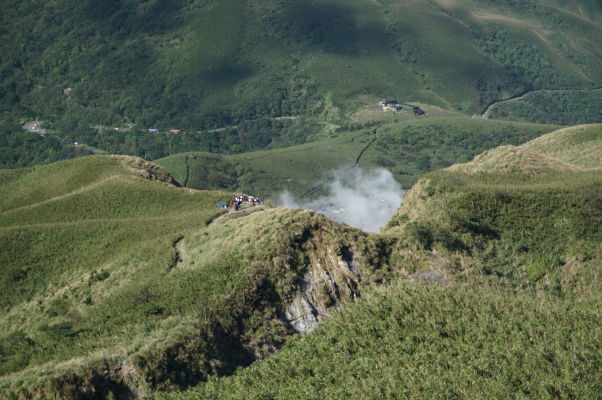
(79, 239)
(203, 63)
(407, 148)
(426, 341)
(29, 186)
(579, 145)
(116, 281)
(521, 215)
(513, 159)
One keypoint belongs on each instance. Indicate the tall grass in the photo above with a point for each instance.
(425, 341)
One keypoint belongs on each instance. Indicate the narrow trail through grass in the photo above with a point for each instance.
(64, 196)
(321, 184)
(359, 156)
(185, 182)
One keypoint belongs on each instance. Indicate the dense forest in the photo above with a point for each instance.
(21, 149)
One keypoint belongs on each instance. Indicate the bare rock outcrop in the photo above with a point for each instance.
(333, 277)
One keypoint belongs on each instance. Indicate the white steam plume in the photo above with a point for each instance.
(364, 198)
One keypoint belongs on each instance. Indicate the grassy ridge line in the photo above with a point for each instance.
(44, 243)
(208, 279)
(69, 269)
(581, 145)
(83, 204)
(21, 187)
(472, 209)
(81, 190)
(156, 295)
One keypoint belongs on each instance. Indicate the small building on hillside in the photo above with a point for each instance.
(394, 105)
(175, 131)
(386, 102)
(390, 105)
(415, 109)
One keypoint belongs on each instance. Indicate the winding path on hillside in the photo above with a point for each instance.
(74, 192)
(359, 156)
(520, 96)
(357, 161)
(185, 182)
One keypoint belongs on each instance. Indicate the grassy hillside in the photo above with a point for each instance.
(196, 64)
(500, 296)
(473, 208)
(579, 146)
(408, 148)
(116, 281)
(82, 242)
(425, 341)
(120, 284)
(122, 279)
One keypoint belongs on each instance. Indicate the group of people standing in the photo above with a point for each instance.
(250, 201)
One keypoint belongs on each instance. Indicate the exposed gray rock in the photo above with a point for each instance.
(302, 315)
(329, 282)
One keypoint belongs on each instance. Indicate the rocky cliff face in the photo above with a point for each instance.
(333, 277)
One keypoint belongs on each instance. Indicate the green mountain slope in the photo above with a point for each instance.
(119, 283)
(195, 64)
(475, 208)
(501, 294)
(425, 341)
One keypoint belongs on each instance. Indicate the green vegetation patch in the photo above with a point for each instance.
(105, 268)
(24, 149)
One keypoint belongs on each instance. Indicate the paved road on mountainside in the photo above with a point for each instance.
(487, 110)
